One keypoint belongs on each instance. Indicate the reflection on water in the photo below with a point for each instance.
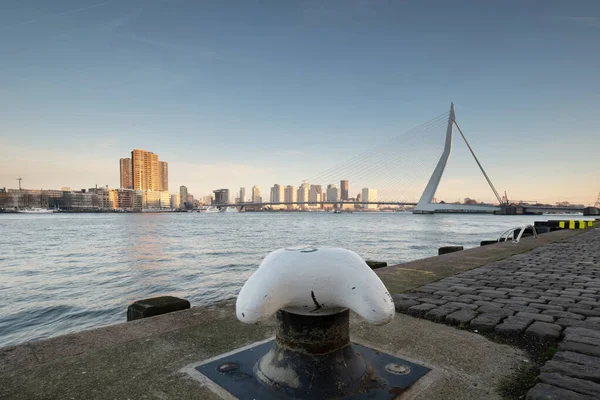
(62, 273)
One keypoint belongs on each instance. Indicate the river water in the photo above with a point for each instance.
(62, 273)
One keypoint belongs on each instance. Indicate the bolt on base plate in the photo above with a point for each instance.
(235, 373)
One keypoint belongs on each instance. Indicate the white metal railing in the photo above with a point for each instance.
(507, 234)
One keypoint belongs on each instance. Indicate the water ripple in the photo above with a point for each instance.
(67, 272)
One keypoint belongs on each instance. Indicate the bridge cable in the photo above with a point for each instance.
(358, 159)
(480, 166)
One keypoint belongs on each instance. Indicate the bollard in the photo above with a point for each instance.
(449, 249)
(376, 264)
(313, 333)
(487, 242)
(311, 292)
(155, 306)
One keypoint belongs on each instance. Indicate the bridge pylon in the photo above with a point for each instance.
(426, 204)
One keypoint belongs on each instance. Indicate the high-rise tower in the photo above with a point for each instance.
(344, 189)
(126, 173)
(145, 170)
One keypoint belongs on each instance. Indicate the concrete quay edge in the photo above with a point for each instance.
(142, 359)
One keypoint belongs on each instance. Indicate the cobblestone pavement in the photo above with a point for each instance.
(548, 294)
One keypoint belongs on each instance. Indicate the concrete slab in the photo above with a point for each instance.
(143, 359)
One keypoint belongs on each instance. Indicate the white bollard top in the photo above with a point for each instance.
(314, 281)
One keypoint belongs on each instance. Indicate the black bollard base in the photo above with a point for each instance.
(236, 374)
(449, 249)
(155, 306)
(487, 242)
(376, 264)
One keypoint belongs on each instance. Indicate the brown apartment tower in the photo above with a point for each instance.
(126, 171)
(344, 190)
(143, 171)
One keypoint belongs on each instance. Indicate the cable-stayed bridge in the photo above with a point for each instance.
(405, 170)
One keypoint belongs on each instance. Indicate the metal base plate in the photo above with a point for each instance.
(234, 373)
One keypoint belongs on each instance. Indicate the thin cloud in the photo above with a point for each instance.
(51, 15)
(172, 46)
(593, 22)
(590, 21)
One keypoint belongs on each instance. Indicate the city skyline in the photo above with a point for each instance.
(264, 97)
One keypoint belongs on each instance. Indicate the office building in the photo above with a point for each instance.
(278, 193)
(146, 171)
(303, 193)
(290, 195)
(163, 175)
(221, 196)
(242, 197)
(156, 199)
(315, 194)
(256, 194)
(333, 194)
(369, 196)
(183, 194)
(126, 173)
(175, 200)
(344, 190)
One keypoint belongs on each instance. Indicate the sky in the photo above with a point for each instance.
(242, 93)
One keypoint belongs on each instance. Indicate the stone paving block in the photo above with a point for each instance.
(583, 332)
(555, 297)
(404, 304)
(543, 391)
(461, 317)
(486, 322)
(459, 299)
(570, 297)
(529, 299)
(591, 303)
(464, 290)
(420, 310)
(514, 290)
(580, 348)
(432, 300)
(488, 304)
(577, 358)
(446, 293)
(593, 319)
(473, 297)
(576, 385)
(493, 294)
(562, 302)
(530, 294)
(495, 310)
(573, 370)
(594, 341)
(578, 323)
(590, 296)
(464, 305)
(547, 306)
(439, 313)
(582, 306)
(511, 301)
(424, 289)
(537, 317)
(544, 331)
(519, 307)
(562, 314)
(587, 313)
(513, 326)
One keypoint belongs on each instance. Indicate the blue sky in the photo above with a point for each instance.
(235, 93)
